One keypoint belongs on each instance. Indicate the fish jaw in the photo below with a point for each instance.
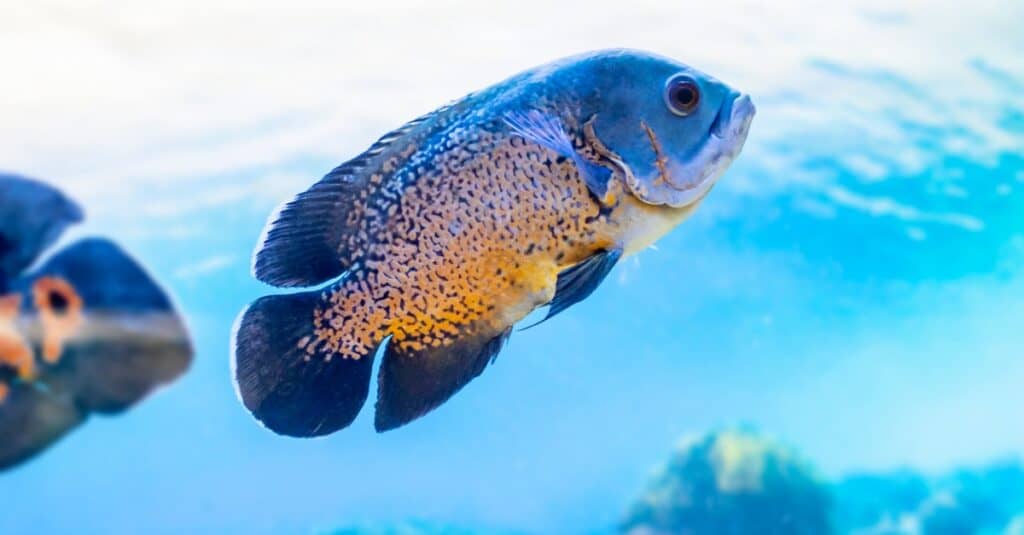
(682, 182)
(641, 224)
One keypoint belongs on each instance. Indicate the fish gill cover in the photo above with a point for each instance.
(86, 330)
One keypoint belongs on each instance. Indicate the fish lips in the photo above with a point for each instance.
(734, 118)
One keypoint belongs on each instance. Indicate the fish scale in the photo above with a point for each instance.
(544, 204)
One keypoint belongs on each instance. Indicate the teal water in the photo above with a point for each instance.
(853, 285)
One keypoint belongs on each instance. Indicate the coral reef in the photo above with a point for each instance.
(739, 482)
(733, 482)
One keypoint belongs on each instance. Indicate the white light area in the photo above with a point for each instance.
(882, 206)
(204, 267)
(113, 98)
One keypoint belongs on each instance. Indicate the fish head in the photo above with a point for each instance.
(669, 129)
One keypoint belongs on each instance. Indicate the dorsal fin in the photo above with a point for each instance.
(308, 241)
(33, 215)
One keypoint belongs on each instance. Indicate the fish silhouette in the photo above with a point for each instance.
(87, 330)
(448, 231)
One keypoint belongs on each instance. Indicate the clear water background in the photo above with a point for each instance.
(854, 285)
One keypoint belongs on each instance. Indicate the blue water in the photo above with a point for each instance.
(854, 285)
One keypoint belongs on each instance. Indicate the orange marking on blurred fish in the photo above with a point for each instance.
(60, 311)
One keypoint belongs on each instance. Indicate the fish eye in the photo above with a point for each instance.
(59, 302)
(682, 95)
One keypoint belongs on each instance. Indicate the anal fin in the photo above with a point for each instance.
(412, 383)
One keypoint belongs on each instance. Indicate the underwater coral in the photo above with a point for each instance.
(740, 482)
(732, 482)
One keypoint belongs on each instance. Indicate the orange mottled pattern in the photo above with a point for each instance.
(14, 349)
(474, 241)
(59, 309)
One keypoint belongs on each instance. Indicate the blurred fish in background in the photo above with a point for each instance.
(87, 330)
(855, 286)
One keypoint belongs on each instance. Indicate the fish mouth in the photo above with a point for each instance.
(684, 182)
(694, 178)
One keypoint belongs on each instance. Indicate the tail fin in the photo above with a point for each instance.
(292, 388)
(128, 339)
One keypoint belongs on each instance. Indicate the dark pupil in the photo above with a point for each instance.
(58, 302)
(6, 247)
(685, 95)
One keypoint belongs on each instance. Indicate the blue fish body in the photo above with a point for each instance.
(446, 232)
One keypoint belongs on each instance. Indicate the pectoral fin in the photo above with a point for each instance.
(578, 282)
(33, 215)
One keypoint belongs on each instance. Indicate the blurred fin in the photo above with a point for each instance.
(284, 380)
(33, 418)
(33, 215)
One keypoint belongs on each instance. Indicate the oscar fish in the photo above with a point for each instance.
(448, 231)
(87, 330)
